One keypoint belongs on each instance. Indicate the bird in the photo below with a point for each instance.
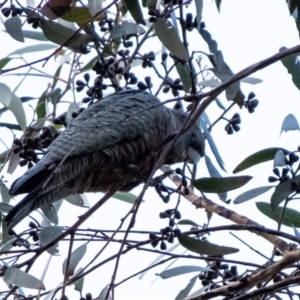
(121, 134)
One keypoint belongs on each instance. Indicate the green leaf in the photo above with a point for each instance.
(125, 196)
(135, 11)
(187, 222)
(50, 213)
(13, 27)
(218, 4)
(291, 217)
(182, 270)
(293, 5)
(89, 65)
(14, 104)
(76, 257)
(279, 159)
(204, 247)
(41, 107)
(220, 185)
(292, 65)
(258, 158)
(170, 39)
(77, 200)
(251, 80)
(34, 35)
(49, 234)
(213, 172)
(125, 29)
(79, 15)
(103, 293)
(4, 61)
(78, 284)
(283, 191)
(289, 123)
(21, 279)
(184, 293)
(4, 207)
(65, 36)
(3, 156)
(35, 48)
(221, 69)
(251, 194)
(54, 96)
(199, 8)
(185, 76)
(4, 193)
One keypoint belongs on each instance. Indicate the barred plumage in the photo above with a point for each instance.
(115, 136)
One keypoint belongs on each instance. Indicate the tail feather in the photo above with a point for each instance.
(21, 210)
(35, 200)
(33, 178)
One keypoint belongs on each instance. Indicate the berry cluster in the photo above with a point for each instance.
(168, 233)
(251, 103)
(232, 124)
(286, 171)
(30, 148)
(174, 85)
(218, 269)
(190, 24)
(11, 10)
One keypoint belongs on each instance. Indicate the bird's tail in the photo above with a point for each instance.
(34, 200)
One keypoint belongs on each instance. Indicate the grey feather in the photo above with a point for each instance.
(101, 145)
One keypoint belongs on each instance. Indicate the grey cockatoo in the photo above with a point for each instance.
(118, 135)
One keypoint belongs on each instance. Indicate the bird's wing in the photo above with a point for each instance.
(122, 116)
(106, 123)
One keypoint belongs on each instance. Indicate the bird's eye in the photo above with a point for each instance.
(193, 135)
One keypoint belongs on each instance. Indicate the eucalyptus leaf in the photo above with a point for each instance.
(13, 27)
(125, 196)
(14, 104)
(34, 35)
(258, 158)
(204, 247)
(4, 62)
(292, 65)
(187, 222)
(220, 185)
(65, 36)
(184, 73)
(199, 8)
(75, 258)
(213, 172)
(126, 29)
(291, 216)
(283, 191)
(251, 80)
(170, 39)
(135, 11)
(182, 270)
(78, 284)
(21, 279)
(211, 142)
(183, 293)
(78, 200)
(50, 213)
(251, 194)
(49, 234)
(5, 207)
(34, 48)
(4, 193)
(279, 159)
(289, 123)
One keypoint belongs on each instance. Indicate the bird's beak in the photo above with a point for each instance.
(193, 156)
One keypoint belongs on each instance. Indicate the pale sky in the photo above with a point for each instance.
(246, 32)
